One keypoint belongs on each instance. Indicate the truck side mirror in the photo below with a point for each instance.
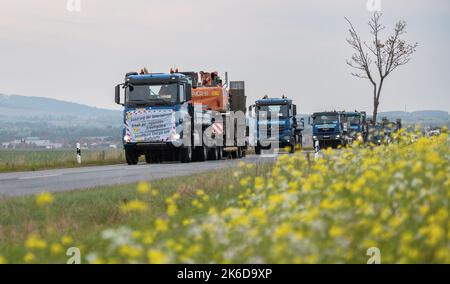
(117, 94)
(302, 121)
(295, 110)
(309, 120)
(188, 92)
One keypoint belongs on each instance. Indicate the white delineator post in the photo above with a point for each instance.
(316, 149)
(78, 153)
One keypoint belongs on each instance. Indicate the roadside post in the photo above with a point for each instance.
(316, 149)
(78, 153)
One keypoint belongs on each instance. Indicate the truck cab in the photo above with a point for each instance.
(357, 124)
(328, 128)
(177, 117)
(276, 121)
(155, 106)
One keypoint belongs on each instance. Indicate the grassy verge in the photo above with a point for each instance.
(83, 215)
(27, 160)
(326, 210)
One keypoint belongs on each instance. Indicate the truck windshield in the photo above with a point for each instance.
(354, 120)
(277, 110)
(324, 119)
(167, 93)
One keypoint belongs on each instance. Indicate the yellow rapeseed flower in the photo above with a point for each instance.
(143, 187)
(3, 260)
(29, 257)
(44, 199)
(67, 240)
(35, 242)
(133, 206)
(156, 257)
(336, 231)
(56, 249)
(161, 225)
(129, 251)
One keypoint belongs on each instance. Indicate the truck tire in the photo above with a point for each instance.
(220, 153)
(239, 153)
(213, 154)
(131, 156)
(292, 148)
(257, 150)
(186, 154)
(202, 153)
(148, 158)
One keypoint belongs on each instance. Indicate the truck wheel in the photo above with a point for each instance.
(219, 153)
(148, 158)
(292, 148)
(258, 150)
(202, 153)
(213, 154)
(131, 156)
(239, 153)
(186, 154)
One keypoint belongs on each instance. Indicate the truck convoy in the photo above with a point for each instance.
(185, 116)
(195, 116)
(336, 128)
(277, 125)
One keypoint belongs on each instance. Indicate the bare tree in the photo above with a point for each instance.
(385, 55)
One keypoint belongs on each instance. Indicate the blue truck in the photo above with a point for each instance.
(328, 129)
(162, 122)
(338, 128)
(357, 125)
(276, 121)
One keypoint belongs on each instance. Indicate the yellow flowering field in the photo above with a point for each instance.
(302, 209)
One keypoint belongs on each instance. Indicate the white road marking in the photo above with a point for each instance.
(44, 176)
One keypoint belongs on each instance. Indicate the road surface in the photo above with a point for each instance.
(25, 183)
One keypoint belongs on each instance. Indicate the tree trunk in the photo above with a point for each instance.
(376, 100)
(375, 105)
(375, 111)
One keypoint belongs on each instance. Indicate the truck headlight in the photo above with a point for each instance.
(127, 138)
(176, 136)
(338, 136)
(314, 137)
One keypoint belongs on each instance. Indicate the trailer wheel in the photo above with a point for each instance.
(148, 158)
(131, 156)
(219, 153)
(186, 154)
(257, 150)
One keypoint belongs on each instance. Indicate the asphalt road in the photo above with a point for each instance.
(25, 183)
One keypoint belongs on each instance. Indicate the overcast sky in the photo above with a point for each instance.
(290, 47)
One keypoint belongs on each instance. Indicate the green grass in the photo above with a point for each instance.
(85, 214)
(31, 160)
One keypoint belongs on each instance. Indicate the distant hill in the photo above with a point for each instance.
(14, 105)
(22, 116)
(424, 117)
